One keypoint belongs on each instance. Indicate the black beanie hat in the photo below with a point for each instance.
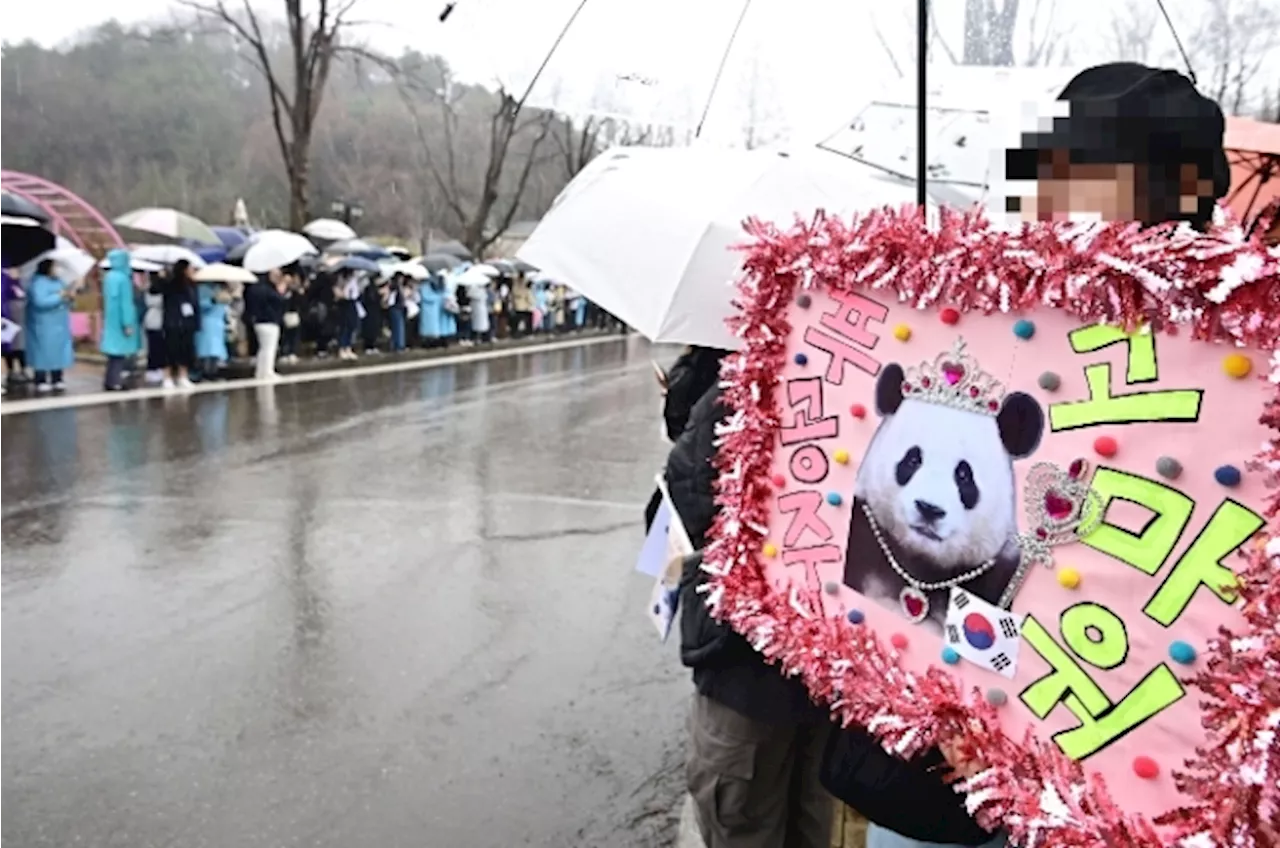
(1124, 112)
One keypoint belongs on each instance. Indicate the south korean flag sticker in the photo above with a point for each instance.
(984, 634)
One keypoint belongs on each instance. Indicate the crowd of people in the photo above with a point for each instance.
(187, 330)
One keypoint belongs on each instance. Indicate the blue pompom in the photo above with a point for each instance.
(801, 359)
(1227, 475)
(834, 498)
(949, 655)
(855, 616)
(1024, 329)
(1181, 652)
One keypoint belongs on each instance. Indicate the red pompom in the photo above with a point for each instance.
(858, 411)
(950, 316)
(1146, 768)
(1106, 446)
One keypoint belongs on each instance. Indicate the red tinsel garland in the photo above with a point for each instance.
(1220, 287)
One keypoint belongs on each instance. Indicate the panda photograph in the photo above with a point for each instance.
(935, 500)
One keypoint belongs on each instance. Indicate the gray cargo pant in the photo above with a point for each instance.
(755, 785)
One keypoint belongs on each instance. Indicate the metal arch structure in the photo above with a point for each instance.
(72, 216)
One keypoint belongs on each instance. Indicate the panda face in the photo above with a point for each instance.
(940, 482)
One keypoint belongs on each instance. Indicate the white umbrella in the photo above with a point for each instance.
(220, 272)
(473, 276)
(410, 269)
(486, 269)
(275, 249)
(648, 234)
(70, 263)
(167, 254)
(328, 229)
(171, 223)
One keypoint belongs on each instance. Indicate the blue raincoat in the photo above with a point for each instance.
(121, 335)
(431, 318)
(48, 326)
(211, 338)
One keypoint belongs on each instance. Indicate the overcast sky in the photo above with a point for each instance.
(798, 64)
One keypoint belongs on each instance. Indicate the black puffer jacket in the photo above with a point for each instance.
(725, 667)
(909, 798)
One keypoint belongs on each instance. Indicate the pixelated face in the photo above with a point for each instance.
(940, 482)
(1073, 191)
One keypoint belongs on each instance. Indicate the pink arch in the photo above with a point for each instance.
(38, 190)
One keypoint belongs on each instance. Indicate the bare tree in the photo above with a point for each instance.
(481, 213)
(758, 114)
(577, 145)
(988, 32)
(1231, 47)
(296, 89)
(1133, 30)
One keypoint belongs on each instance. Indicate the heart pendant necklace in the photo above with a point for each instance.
(914, 598)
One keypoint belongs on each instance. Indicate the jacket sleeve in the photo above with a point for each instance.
(691, 474)
(46, 294)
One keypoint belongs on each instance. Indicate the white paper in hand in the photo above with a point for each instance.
(983, 633)
(653, 556)
(9, 330)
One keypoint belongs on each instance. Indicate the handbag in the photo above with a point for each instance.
(291, 320)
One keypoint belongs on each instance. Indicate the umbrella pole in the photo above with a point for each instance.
(922, 97)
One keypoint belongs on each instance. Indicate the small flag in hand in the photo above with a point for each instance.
(983, 633)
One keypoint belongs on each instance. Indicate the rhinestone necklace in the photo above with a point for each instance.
(915, 603)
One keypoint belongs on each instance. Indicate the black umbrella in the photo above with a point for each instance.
(437, 262)
(453, 248)
(524, 267)
(357, 247)
(504, 267)
(19, 207)
(23, 239)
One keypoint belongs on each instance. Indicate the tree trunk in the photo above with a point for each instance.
(299, 180)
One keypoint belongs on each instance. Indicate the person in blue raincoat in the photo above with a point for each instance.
(211, 338)
(48, 328)
(121, 335)
(431, 314)
(449, 312)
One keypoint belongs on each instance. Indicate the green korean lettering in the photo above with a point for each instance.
(1103, 407)
(1096, 635)
(1153, 695)
(1148, 550)
(1067, 677)
(1201, 565)
(1068, 684)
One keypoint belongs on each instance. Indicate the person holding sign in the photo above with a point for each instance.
(756, 735)
(1140, 144)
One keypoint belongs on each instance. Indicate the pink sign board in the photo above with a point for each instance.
(1040, 513)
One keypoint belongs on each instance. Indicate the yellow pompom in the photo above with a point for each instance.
(1069, 578)
(1237, 365)
(902, 332)
(770, 550)
(841, 456)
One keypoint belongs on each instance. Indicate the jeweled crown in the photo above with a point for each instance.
(954, 379)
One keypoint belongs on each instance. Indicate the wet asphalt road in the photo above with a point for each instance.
(384, 610)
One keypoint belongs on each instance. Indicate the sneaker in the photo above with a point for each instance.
(168, 384)
(184, 383)
(43, 388)
(59, 386)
